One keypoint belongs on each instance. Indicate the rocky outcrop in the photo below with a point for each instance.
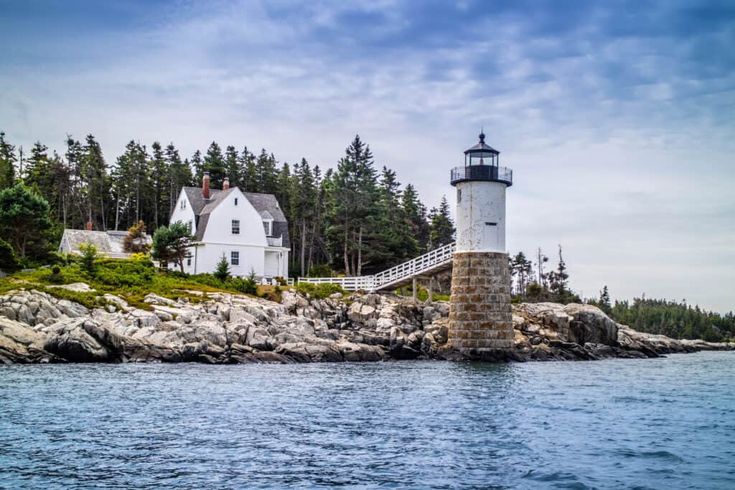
(36, 327)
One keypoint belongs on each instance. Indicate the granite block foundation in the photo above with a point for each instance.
(480, 315)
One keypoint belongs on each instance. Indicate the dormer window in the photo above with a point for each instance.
(235, 226)
(235, 201)
(268, 227)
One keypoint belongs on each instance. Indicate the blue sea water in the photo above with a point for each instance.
(657, 423)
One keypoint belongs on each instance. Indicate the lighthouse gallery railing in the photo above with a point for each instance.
(435, 259)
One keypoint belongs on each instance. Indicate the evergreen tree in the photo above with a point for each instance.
(266, 172)
(604, 302)
(171, 244)
(415, 213)
(249, 182)
(179, 175)
(233, 169)
(198, 165)
(93, 173)
(441, 229)
(135, 241)
(303, 207)
(352, 205)
(7, 163)
(222, 272)
(24, 221)
(131, 182)
(214, 163)
(159, 182)
(394, 242)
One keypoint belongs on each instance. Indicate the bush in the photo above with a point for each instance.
(319, 291)
(89, 257)
(8, 260)
(222, 272)
(55, 277)
(245, 286)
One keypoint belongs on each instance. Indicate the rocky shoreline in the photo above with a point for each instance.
(36, 327)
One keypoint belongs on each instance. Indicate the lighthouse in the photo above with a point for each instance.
(480, 315)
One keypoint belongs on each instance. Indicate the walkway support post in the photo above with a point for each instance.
(415, 294)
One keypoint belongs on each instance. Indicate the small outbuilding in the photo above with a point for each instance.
(107, 243)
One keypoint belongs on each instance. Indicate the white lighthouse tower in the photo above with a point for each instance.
(480, 315)
(481, 185)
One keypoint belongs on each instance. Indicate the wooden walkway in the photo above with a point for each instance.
(427, 264)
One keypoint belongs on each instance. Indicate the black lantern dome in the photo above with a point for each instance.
(482, 154)
(482, 163)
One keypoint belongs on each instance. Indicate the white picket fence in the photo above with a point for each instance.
(433, 261)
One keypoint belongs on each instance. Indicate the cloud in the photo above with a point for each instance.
(616, 119)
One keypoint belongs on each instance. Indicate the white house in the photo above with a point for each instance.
(248, 228)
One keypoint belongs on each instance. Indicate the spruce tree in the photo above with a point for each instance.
(7, 163)
(214, 163)
(441, 229)
(159, 172)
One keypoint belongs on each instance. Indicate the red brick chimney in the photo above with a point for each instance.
(205, 186)
(226, 184)
(90, 226)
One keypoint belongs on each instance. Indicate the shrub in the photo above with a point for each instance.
(55, 276)
(222, 272)
(8, 260)
(247, 285)
(89, 257)
(319, 291)
(135, 241)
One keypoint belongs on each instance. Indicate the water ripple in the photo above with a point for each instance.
(609, 424)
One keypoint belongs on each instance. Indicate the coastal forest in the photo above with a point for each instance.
(354, 218)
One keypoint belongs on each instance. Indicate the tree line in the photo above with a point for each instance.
(355, 218)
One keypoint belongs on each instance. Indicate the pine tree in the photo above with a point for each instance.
(415, 213)
(441, 229)
(233, 170)
(249, 182)
(93, 173)
(352, 205)
(604, 301)
(222, 272)
(266, 173)
(179, 175)
(394, 241)
(214, 163)
(159, 172)
(7, 163)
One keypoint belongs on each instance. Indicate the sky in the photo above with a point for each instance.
(617, 118)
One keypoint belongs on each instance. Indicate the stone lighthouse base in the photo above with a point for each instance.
(480, 315)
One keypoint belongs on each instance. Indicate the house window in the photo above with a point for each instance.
(268, 227)
(235, 258)
(183, 204)
(189, 225)
(188, 261)
(235, 201)
(235, 226)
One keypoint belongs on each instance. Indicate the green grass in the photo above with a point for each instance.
(130, 279)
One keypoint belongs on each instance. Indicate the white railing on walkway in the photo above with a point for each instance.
(435, 259)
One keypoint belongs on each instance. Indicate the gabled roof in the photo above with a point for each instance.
(264, 204)
(108, 243)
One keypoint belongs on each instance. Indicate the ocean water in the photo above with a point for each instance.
(657, 423)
